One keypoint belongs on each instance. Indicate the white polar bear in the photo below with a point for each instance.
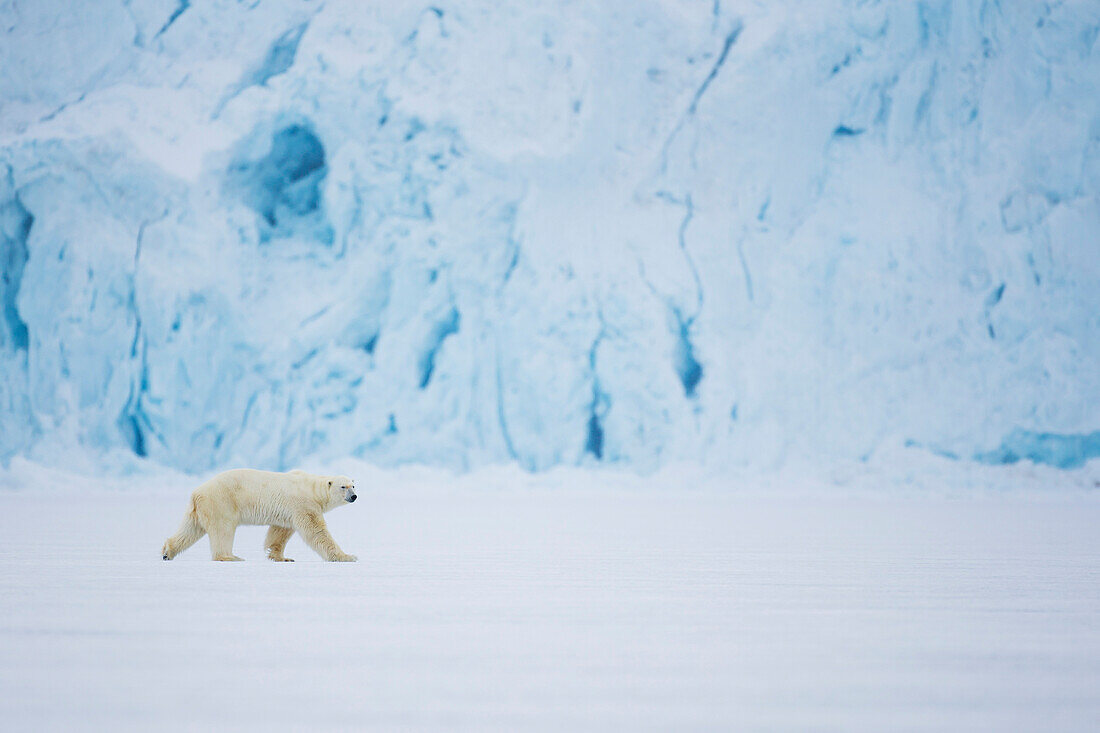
(288, 502)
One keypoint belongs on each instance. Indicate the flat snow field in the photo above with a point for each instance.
(576, 608)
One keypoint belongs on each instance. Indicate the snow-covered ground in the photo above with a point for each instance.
(561, 601)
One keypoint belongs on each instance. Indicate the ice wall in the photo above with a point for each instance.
(549, 232)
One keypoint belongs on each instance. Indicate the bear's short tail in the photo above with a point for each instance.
(189, 533)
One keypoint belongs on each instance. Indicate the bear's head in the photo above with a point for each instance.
(342, 486)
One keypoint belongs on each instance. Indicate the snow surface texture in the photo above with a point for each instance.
(564, 600)
(549, 233)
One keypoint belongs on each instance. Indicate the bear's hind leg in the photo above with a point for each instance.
(221, 541)
(189, 533)
(275, 543)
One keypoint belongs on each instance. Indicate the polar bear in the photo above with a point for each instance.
(289, 502)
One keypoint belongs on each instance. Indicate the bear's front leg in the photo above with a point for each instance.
(312, 527)
(276, 541)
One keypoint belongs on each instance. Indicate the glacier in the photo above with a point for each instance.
(466, 233)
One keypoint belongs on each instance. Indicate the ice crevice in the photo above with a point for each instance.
(689, 214)
(61, 108)
(688, 369)
(689, 113)
(991, 302)
(600, 402)
(139, 38)
(133, 422)
(447, 326)
(15, 228)
(279, 58)
(745, 268)
(502, 418)
(181, 8)
(686, 366)
(727, 44)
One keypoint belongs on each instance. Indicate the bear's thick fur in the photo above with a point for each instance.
(289, 502)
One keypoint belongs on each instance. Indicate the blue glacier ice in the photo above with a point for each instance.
(1063, 451)
(615, 233)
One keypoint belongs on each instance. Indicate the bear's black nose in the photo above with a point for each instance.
(353, 497)
(165, 557)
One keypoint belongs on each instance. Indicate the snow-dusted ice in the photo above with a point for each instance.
(550, 233)
(560, 601)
